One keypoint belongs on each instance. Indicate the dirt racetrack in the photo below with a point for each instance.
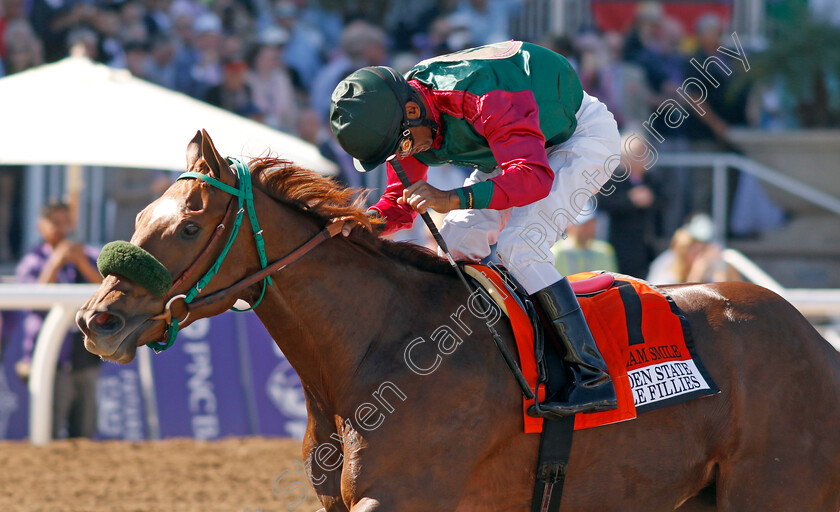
(177, 475)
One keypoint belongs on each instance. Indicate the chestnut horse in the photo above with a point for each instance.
(383, 436)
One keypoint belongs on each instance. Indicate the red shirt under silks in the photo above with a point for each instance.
(497, 106)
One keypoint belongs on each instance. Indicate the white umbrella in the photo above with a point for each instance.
(76, 112)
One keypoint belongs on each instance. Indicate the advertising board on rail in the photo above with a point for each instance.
(224, 376)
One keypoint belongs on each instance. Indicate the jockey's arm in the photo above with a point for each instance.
(510, 122)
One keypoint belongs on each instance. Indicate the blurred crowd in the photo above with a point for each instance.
(270, 60)
(277, 62)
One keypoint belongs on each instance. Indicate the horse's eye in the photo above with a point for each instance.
(190, 230)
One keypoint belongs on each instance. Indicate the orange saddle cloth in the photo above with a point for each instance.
(642, 335)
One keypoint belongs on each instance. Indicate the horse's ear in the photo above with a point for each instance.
(200, 149)
(194, 150)
(217, 163)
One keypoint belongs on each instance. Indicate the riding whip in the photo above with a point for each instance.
(497, 339)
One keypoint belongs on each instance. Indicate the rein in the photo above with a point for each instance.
(245, 195)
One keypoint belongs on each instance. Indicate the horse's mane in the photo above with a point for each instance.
(325, 199)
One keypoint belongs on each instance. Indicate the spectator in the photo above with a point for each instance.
(306, 47)
(60, 260)
(327, 21)
(161, 68)
(624, 88)
(692, 257)
(183, 14)
(645, 25)
(580, 251)
(460, 36)
(309, 127)
(312, 130)
(407, 22)
(438, 40)
(157, 17)
(10, 11)
(233, 93)
(23, 51)
(362, 44)
(630, 206)
(671, 66)
(233, 48)
(199, 60)
(237, 17)
(142, 20)
(709, 131)
(137, 59)
(53, 20)
(271, 84)
(644, 46)
(488, 19)
(11, 183)
(23, 48)
(111, 36)
(133, 13)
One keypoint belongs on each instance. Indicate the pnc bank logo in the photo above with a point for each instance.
(202, 401)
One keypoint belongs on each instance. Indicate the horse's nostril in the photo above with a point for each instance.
(102, 318)
(106, 322)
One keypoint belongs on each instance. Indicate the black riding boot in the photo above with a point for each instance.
(590, 388)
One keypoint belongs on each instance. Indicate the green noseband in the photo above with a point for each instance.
(133, 262)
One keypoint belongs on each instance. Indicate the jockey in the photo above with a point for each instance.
(516, 114)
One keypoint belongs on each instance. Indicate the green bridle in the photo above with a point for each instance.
(135, 263)
(245, 195)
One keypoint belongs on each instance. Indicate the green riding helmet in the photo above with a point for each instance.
(367, 115)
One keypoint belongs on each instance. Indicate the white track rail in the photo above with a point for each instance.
(62, 301)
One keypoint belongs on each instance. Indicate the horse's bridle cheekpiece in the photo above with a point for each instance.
(125, 259)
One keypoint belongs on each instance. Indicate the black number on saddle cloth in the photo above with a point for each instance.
(632, 310)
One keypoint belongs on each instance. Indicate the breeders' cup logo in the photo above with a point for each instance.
(286, 393)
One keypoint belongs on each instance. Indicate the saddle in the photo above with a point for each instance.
(643, 336)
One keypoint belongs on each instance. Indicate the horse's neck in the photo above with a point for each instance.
(327, 309)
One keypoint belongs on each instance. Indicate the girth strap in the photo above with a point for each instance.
(555, 448)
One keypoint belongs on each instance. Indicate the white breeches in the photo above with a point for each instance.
(524, 235)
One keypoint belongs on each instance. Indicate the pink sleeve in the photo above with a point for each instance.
(399, 216)
(510, 122)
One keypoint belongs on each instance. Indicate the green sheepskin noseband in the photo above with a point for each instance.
(125, 259)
